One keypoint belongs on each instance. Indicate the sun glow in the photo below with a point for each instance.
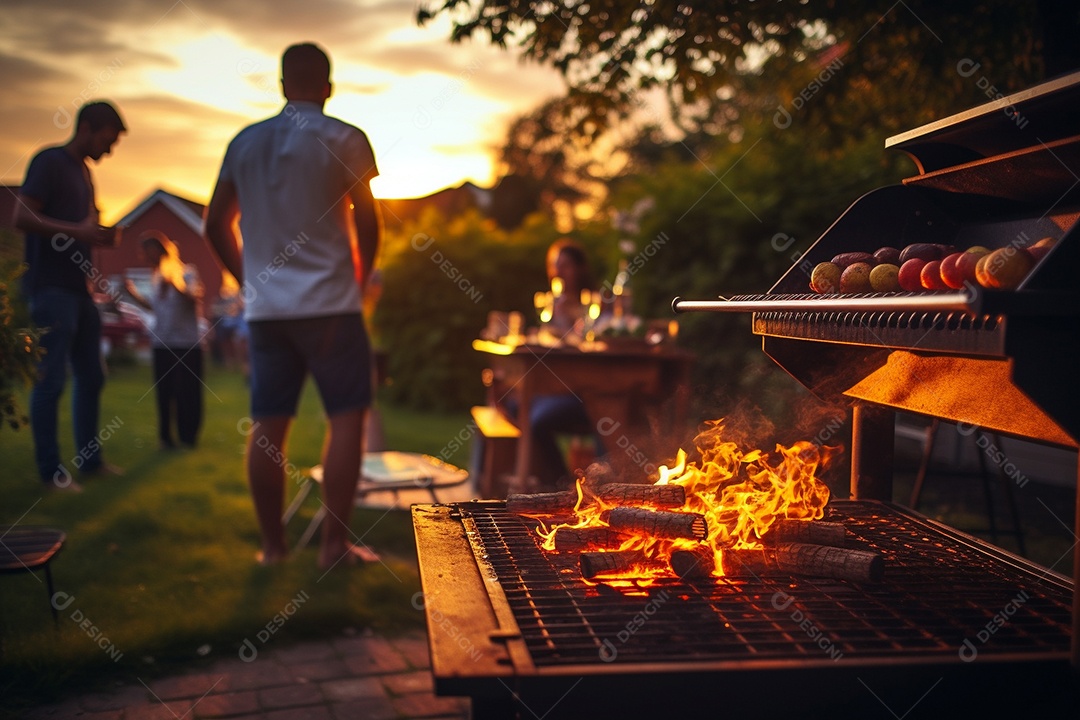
(187, 82)
(219, 72)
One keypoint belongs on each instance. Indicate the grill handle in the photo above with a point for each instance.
(962, 301)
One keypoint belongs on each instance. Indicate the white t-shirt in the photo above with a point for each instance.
(293, 173)
(176, 317)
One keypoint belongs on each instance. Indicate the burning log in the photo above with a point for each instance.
(554, 503)
(563, 502)
(692, 564)
(568, 539)
(609, 563)
(805, 559)
(633, 494)
(816, 532)
(659, 523)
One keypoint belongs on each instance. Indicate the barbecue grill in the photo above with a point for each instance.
(957, 625)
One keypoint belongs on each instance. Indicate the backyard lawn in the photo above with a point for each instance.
(159, 569)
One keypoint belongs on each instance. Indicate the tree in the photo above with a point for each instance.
(709, 54)
(702, 239)
(546, 166)
(19, 349)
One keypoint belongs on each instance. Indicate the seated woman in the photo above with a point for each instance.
(554, 415)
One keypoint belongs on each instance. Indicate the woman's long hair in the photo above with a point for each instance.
(576, 252)
(170, 265)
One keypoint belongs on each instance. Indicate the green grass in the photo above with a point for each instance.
(160, 560)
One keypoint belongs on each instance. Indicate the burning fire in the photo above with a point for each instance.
(741, 494)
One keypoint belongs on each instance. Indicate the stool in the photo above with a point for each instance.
(28, 548)
(388, 471)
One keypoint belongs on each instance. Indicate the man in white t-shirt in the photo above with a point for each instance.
(299, 183)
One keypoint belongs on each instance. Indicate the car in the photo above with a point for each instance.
(122, 327)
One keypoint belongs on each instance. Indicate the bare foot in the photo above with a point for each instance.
(351, 555)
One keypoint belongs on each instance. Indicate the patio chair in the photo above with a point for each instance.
(28, 549)
(389, 471)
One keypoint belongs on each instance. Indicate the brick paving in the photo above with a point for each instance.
(346, 678)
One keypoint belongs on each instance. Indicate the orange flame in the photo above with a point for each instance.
(740, 494)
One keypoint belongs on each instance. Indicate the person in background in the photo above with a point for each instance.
(57, 210)
(567, 261)
(299, 183)
(175, 297)
(230, 327)
(553, 415)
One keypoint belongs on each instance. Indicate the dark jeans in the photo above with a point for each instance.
(73, 335)
(551, 416)
(178, 384)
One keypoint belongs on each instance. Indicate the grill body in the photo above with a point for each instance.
(521, 633)
(957, 625)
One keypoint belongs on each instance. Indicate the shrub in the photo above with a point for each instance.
(440, 278)
(18, 344)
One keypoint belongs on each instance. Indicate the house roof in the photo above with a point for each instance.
(449, 201)
(188, 211)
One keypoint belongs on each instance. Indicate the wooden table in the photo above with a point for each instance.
(620, 386)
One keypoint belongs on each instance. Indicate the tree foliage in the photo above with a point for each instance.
(545, 165)
(732, 226)
(753, 126)
(19, 350)
(713, 55)
(441, 278)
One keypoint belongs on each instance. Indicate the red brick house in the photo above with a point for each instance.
(182, 219)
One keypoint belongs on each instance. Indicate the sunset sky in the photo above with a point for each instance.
(188, 74)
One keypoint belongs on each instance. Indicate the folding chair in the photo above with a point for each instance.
(388, 471)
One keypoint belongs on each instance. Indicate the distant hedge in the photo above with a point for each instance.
(440, 278)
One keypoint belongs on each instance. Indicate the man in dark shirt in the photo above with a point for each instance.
(57, 211)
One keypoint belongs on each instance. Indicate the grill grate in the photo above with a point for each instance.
(940, 589)
(945, 331)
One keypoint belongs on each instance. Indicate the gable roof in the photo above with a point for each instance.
(188, 211)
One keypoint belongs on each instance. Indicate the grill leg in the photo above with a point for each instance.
(924, 464)
(984, 473)
(1076, 589)
(872, 442)
(1010, 500)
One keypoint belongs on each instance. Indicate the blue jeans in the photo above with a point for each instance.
(71, 329)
